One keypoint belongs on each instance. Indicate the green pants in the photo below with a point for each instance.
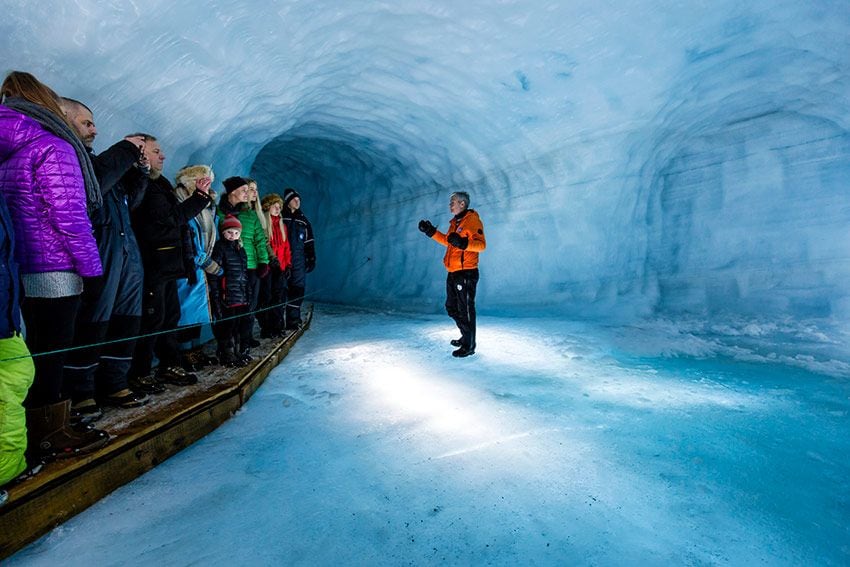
(15, 379)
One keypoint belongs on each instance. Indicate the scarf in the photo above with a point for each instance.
(58, 127)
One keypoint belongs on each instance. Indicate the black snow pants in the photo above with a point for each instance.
(460, 303)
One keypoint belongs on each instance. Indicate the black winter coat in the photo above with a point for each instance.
(301, 244)
(161, 224)
(231, 288)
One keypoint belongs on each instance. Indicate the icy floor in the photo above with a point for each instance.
(370, 445)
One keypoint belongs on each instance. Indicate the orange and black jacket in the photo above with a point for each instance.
(467, 225)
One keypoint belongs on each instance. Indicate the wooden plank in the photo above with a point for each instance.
(66, 488)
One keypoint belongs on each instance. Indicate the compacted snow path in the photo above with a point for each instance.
(371, 445)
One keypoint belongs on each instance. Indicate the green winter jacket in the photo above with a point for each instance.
(15, 379)
(253, 236)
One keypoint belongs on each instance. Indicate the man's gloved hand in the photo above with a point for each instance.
(262, 270)
(427, 228)
(310, 264)
(287, 273)
(457, 240)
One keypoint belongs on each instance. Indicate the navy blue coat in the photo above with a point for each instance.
(123, 188)
(10, 311)
(301, 244)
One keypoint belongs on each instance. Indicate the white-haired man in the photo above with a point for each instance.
(464, 240)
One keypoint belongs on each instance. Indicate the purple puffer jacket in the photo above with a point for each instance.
(41, 180)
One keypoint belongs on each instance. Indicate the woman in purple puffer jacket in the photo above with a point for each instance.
(48, 183)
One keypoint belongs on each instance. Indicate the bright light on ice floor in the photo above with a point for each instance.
(371, 445)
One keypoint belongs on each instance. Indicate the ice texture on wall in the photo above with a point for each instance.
(671, 160)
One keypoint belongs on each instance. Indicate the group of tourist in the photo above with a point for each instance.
(110, 265)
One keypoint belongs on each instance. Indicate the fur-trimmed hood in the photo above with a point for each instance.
(191, 173)
(186, 179)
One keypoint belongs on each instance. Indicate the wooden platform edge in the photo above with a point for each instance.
(26, 518)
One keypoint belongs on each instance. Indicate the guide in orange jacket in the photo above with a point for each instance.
(464, 240)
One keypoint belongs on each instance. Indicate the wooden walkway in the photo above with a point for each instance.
(141, 439)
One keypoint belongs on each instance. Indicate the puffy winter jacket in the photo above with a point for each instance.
(41, 180)
(468, 225)
(253, 236)
(231, 288)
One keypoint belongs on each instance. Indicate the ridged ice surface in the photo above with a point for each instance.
(640, 161)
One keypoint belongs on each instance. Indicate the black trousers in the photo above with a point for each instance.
(50, 327)
(160, 312)
(234, 329)
(460, 303)
(272, 296)
(254, 283)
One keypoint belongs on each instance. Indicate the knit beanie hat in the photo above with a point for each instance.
(230, 222)
(270, 200)
(233, 183)
(289, 194)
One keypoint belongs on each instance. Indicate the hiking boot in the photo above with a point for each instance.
(193, 360)
(176, 375)
(126, 399)
(145, 385)
(269, 333)
(245, 357)
(463, 352)
(253, 343)
(50, 436)
(457, 342)
(227, 358)
(85, 412)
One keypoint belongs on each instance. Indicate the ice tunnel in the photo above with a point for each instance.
(640, 161)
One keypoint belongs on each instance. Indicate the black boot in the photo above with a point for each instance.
(245, 356)
(463, 352)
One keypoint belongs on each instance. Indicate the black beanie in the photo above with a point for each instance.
(288, 195)
(233, 183)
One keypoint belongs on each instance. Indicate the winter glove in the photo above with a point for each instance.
(262, 270)
(427, 228)
(310, 264)
(457, 240)
(287, 273)
(274, 263)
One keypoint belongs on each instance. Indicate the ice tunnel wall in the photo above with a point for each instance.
(648, 158)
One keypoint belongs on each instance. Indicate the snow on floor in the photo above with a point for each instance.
(371, 445)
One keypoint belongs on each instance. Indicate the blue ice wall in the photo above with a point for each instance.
(635, 159)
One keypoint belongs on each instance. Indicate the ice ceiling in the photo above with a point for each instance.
(628, 158)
